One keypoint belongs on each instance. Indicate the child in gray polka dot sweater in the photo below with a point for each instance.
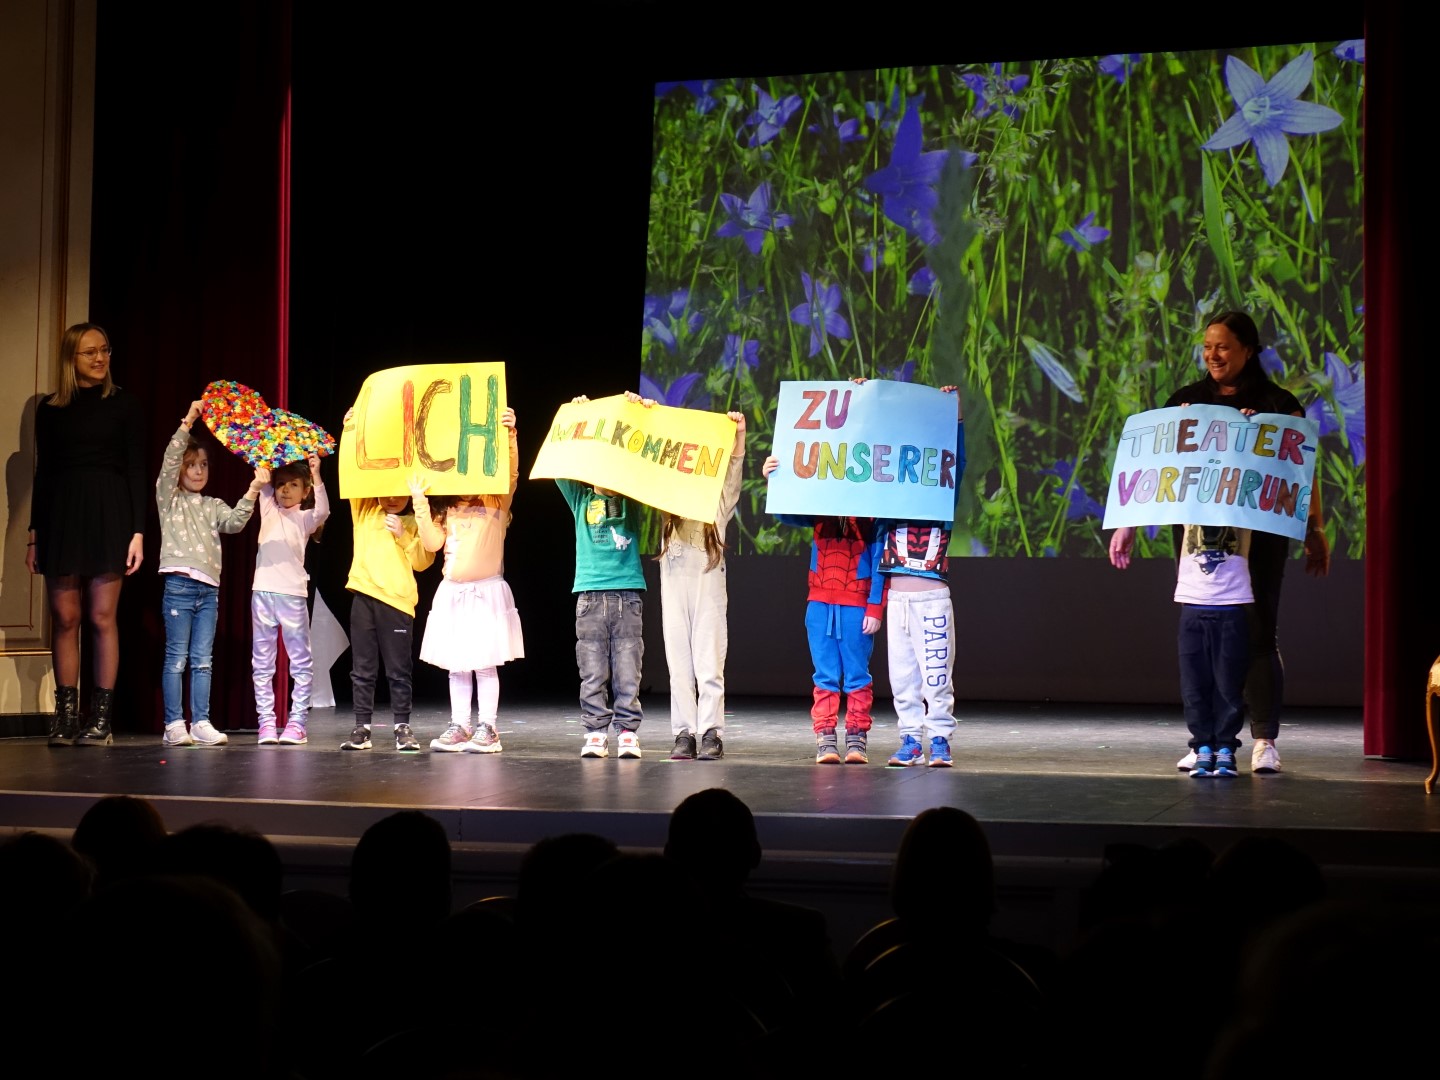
(190, 528)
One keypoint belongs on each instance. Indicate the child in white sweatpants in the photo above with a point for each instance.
(920, 628)
(693, 603)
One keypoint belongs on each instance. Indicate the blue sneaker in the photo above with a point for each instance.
(1225, 762)
(940, 753)
(910, 752)
(1204, 762)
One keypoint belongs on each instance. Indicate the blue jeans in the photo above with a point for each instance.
(1214, 657)
(190, 609)
(608, 651)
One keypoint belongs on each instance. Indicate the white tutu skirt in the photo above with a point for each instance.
(472, 625)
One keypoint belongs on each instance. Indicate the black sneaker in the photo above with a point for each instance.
(711, 748)
(359, 739)
(684, 748)
(405, 740)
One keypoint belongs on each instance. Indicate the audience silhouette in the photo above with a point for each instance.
(387, 980)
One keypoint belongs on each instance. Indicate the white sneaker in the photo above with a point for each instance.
(1186, 763)
(1265, 758)
(453, 740)
(176, 735)
(629, 744)
(204, 734)
(595, 745)
(486, 740)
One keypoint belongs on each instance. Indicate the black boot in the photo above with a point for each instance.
(65, 724)
(102, 703)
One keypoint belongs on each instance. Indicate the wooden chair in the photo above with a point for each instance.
(1431, 689)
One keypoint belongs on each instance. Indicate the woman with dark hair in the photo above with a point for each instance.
(87, 522)
(1236, 378)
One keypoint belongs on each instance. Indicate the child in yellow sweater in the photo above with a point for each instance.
(388, 553)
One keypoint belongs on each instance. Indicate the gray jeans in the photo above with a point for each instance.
(608, 651)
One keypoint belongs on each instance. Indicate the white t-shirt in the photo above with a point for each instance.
(1214, 566)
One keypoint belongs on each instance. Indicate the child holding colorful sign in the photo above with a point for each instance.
(845, 604)
(190, 528)
(388, 553)
(693, 603)
(609, 609)
(293, 506)
(1212, 585)
(473, 626)
(920, 632)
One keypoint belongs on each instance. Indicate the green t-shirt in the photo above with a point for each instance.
(607, 532)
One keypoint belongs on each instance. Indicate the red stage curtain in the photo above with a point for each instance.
(1402, 634)
(185, 272)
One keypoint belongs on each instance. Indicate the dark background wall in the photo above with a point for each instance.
(466, 189)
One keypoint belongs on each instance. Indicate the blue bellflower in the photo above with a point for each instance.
(1081, 505)
(904, 373)
(820, 312)
(1049, 363)
(982, 86)
(704, 100)
(662, 316)
(1269, 360)
(845, 130)
(907, 185)
(1352, 50)
(753, 219)
(923, 283)
(770, 116)
(1086, 233)
(1119, 65)
(1347, 387)
(887, 116)
(677, 394)
(1268, 111)
(735, 351)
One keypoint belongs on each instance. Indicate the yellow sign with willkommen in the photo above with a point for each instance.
(440, 421)
(672, 459)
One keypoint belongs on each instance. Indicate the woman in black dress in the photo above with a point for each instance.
(87, 523)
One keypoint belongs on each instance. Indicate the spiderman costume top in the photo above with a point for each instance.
(845, 562)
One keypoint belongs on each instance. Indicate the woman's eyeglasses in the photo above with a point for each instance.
(89, 354)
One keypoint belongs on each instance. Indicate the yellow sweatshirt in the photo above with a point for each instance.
(384, 565)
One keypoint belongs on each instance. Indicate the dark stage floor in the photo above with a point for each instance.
(1053, 785)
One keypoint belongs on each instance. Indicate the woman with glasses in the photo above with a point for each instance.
(87, 521)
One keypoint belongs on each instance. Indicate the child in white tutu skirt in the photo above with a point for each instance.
(473, 626)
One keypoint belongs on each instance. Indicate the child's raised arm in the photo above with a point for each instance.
(234, 518)
(730, 492)
(321, 513)
(508, 419)
(432, 536)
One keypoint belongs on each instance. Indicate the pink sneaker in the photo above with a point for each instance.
(267, 733)
(293, 735)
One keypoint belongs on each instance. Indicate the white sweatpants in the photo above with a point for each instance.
(920, 634)
(693, 606)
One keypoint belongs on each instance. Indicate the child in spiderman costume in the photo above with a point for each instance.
(846, 601)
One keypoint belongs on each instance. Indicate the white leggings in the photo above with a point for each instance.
(487, 684)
